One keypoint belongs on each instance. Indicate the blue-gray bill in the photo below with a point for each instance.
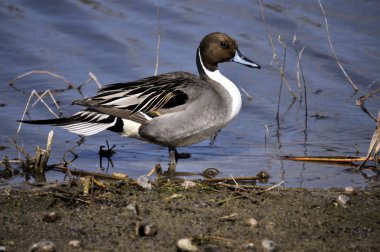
(241, 59)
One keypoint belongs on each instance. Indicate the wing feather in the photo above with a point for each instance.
(146, 95)
(138, 101)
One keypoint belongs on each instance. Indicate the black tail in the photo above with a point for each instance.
(56, 122)
(83, 123)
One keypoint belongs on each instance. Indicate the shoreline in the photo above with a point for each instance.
(210, 217)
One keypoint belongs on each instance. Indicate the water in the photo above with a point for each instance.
(117, 41)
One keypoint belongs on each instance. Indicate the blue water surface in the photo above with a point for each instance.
(117, 42)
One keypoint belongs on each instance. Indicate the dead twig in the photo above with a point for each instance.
(374, 147)
(230, 217)
(158, 38)
(70, 85)
(275, 58)
(71, 198)
(241, 195)
(247, 94)
(155, 170)
(39, 98)
(299, 73)
(234, 179)
(282, 74)
(20, 149)
(345, 159)
(93, 77)
(361, 103)
(13, 82)
(42, 156)
(282, 68)
(274, 186)
(333, 50)
(63, 168)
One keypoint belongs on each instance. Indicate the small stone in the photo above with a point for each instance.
(252, 222)
(188, 184)
(186, 245)
(133, 208)
(343, 200)
(2, 249)
(147, 230)
(249, 246)
(51, 217)
(144, 182)
(349, 189)
(270, 226)
(75, 243)
(42, 246)
(268, 245)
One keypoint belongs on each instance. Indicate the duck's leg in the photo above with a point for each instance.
(173, 155)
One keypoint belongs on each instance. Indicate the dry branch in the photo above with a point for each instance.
(63, 168)
(333, 50)
(282, 75)
(93, 77)
(39, 98)
(231, 179)
(374, 147)
(158, 38)
(13, 82)
(361, 103)
(345, 159)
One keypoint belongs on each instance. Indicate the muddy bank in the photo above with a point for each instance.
(128, 218)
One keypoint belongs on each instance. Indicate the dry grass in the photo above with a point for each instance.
(373, 151)
(158, 38)
(275, 57)
(374, 147)
(333, 49)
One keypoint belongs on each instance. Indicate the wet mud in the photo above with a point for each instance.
(207, 218)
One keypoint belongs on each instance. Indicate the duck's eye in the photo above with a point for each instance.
(223, 44)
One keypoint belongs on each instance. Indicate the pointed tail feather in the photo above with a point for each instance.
(55, 122)
(83, 123)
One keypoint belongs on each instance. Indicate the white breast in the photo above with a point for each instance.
(228, 85)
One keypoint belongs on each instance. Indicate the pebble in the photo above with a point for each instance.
(186, 245)
(133, 208)
(147, 229)
(2, 249)
(249, 246)
(268, 245)
(252, 222)
(349, 189)
(343, 200)
(144, 182)
(75, 243)
(188, 184)
(51, 217)
(270, 226)
(43, 246)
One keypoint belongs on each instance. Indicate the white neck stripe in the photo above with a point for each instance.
(227, 84)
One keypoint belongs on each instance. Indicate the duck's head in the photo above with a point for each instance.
(218, 47)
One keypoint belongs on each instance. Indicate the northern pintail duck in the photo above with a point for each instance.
(174, 109)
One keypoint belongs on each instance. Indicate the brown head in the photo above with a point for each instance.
(218, 47)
